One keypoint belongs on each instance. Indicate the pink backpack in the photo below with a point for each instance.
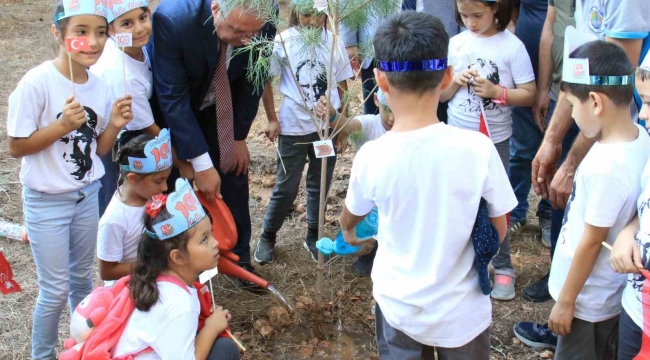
(101, 317)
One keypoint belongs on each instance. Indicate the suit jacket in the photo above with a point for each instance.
(184, 51)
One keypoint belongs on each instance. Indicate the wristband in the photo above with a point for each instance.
(504, 96)
(334, 117)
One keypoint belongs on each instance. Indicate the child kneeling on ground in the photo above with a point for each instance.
(427, 179)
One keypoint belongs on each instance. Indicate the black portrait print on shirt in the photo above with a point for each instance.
(568, 208)
(312, 77)
(80, 154)
(483, 66)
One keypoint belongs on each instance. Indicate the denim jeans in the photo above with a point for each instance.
(502, 262)
(63, 235)
(524, 143)
(108, 181)
(368, 84)
(294, 155)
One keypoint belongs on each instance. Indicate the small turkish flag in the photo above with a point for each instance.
(76, 44)
(7, 283)
(483, 126)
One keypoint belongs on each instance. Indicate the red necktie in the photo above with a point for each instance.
(223, 106)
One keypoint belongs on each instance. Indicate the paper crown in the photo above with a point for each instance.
(82, 7)
(407, 66)
(645, 65)
(158, 154)
(381, 96)
(117, 9)
(576, 71)
(184, 208)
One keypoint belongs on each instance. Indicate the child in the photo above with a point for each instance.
(134, 68)
(178, 242)
(492, 73)
(631, 254)
(60, 139)
(307, 65)
(145, 164)
(605, 188)
(425, 283)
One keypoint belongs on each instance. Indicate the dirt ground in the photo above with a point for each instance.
(25, 41)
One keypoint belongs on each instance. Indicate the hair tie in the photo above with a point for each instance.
(156, 204)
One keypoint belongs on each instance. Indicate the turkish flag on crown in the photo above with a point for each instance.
(7, 283)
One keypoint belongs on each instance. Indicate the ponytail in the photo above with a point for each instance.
(153, 259)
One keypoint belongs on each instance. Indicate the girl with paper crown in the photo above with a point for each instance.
(177, 242)
(308, 65)
(492, 73)
(126, 68)
(145, 163)
(61, 120)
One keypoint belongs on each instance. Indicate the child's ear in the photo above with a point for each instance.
(597, 102)
(177, 257)
(381, 80)
(447, 78)
(56, 34)
(131, 177)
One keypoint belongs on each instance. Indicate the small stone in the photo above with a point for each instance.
(546, 354)
(313, 341)
(306, 300)
(278, 316)
(515, 341)
(300, 208)
(266, 331)
(327, 314)
(300, 306)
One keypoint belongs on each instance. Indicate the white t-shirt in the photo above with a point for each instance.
(424, 278)
(310, 74)
(501, 58)
(169, 327)
(139, 81)
(371, 128)
(605, 190)
(71, 162)
(120, 231)
(635, 303)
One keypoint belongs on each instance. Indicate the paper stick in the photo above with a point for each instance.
(71, 75)
(607, 246)
(280, 156)
(212, 293)
(124, 68)
(234, 339)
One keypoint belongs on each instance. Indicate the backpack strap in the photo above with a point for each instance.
(174, 280)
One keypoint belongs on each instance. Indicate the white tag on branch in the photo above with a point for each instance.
(324, 148)
(205, 276)
(124, 39)
(320, 5)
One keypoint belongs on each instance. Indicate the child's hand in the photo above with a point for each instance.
(273, 129)
(464, 77)
(218, 321)
(73, 115)
(486, 89)
(121, 113)
(561, 318)
(626, 257)
(320, 108)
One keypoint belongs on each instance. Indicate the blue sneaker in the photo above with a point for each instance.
(535, 335)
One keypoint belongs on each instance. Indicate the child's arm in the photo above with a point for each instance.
(350, 126)
(72, 117)
(215, 324)
(273, 129)
(501, 223)
(582, 264)
(120, 116)
(114, 270)
(626, 257)
(524, 95)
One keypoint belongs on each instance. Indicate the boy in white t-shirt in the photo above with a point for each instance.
(425, 283)
(631, 254)
(598, 83)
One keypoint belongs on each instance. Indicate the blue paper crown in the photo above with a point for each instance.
(645, 65)
(419, 65)
(185, 210)
(80, 7)
(158, 154)
(117, 10)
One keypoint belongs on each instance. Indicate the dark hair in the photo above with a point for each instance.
(153, 258)
(412, 36)
(605, 59)
(502, 16)
(643, 74)
(294, 17)
(129, 144)
(62, 25)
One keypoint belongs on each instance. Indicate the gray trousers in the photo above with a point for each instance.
(294, 151)
(589, 341)
(502, 262)
(395, 345)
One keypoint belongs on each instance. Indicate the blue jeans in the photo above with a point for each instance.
(63, 234)
(368, 84)
(294, 155)
(108, 181)
(524, 143)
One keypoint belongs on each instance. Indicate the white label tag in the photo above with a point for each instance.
(124, 39)
(324, 148)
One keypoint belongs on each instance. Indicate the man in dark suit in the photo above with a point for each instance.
(202, 94)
